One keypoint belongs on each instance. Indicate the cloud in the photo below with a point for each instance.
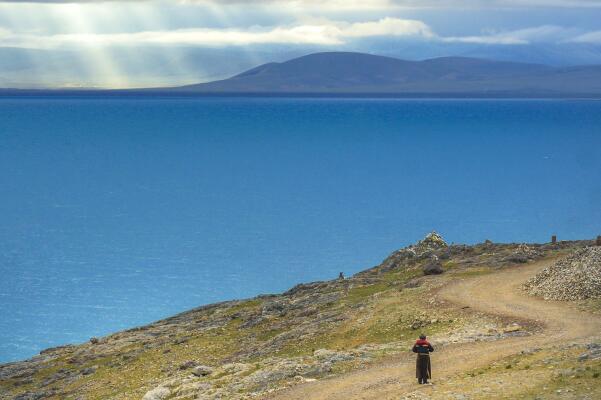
(591, 37)
(69, 1)
(322, 33)
(388, 27)
(445, 4)
(319, 32)
(495, 3)
(487, 39)
(414, 4)
(545, 33)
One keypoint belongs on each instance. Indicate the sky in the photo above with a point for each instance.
(155, 43)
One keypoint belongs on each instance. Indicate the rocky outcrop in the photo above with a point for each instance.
(523, 254)
(593, 352)
(432, 245)
(575, 277)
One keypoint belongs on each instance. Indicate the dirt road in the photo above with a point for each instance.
(498, 293)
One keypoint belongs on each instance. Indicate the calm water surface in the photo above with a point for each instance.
(117, 212)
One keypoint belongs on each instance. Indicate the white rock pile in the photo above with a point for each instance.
(432, 242)
(575, 277)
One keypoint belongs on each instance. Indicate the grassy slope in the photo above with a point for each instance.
(373, 314)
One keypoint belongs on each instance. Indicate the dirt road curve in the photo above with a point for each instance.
(496, 293)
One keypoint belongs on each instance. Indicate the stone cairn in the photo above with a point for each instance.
(575, 277)
(422, 250)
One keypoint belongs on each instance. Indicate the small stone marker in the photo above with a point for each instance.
(554, 239)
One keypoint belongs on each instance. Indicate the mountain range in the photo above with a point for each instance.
(345, 73)
(340, 74)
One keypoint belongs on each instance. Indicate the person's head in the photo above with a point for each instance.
(422, 336)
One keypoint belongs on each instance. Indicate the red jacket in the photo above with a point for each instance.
(422, 346)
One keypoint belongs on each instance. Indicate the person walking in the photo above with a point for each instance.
(423, 367)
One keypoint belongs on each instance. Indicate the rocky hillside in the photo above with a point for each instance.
(576, 277)
(248, 348)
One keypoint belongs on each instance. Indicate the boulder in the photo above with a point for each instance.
(517, 258)
(160, 393)
(188, 365)
(433, 268)
(202, 370)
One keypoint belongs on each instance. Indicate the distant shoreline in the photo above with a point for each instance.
(150, 93)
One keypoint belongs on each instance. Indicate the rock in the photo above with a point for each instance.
(202, 370)
(273, 373)
(94, 340)
(433, 268)
(522, 254)
(531, 351)
(188, 365)
(593, 352)
(575, 277)
(193, 390)
(332, 356)
(517, 259)
(276, 307)
(160, 393)
(413, 283)
(512, 328)
(88, 371)
(432, 243)
(235, 368)
(180, 340)
(30, 396)
(63, 375)
(418, 323)
(57, 349)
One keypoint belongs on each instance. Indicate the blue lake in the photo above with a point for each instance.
(117, 212)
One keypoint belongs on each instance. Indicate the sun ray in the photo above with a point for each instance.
(101, 65)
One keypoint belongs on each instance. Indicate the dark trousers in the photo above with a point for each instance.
(423, 368)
